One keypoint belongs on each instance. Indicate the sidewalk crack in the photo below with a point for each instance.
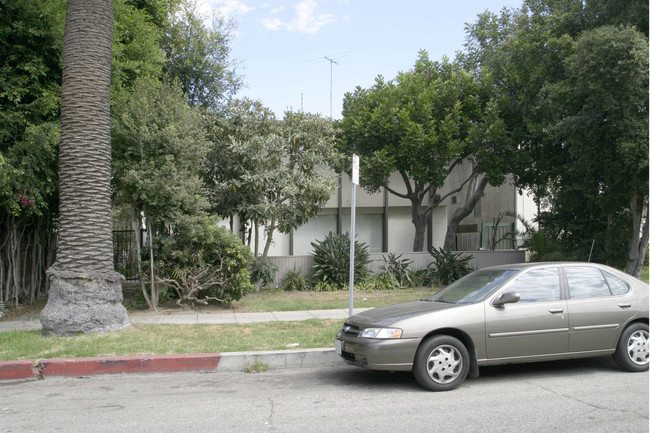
(269, 419)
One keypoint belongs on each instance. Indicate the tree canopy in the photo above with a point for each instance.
(272, 173)
(198, 56)
(424, 124)
(572, 85)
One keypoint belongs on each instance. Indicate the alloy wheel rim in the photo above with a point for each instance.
(637, 347)
(445, 364)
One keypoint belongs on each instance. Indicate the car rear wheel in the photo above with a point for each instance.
(441, 363)
(632, 349)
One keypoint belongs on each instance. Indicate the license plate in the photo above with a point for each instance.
(340, 346)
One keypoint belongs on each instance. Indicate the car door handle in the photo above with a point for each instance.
(625, 305)
(556, 310)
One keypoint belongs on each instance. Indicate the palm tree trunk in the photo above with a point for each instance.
(85, 291)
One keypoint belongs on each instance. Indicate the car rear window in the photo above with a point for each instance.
(616, 285)
(586, 282)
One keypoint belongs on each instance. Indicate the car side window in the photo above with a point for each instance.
(537, 285)
(616, 285)
(586, 282)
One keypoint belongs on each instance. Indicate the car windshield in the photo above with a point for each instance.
(474, 287)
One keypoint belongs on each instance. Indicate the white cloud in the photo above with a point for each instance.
(229, 8)
(307, 20)
(272, 24)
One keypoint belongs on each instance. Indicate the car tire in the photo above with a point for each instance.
(632, 348)
(441, 363)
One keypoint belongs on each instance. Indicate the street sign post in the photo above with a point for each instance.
(353, 212)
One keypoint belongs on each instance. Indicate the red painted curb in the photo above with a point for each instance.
(129, 364)
(108, 365)
(16, 370)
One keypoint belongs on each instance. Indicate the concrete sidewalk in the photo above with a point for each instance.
(195, 318)
(211, 362)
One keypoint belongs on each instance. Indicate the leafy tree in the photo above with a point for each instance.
(28, 194)
(601, 119)
(137, 44)
(159, 146)
(198, 56)
(305, 181)
(203, 262)
(423, 125)
(31, 35)
(271, 173)
(85, 292)
(244, 120)
(31, 32)
(30, 79)
(572, 97)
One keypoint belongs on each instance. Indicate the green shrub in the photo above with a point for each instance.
(332, 260)
(262, 272)
(397, 268)
(447, 266)
(203, 262)
(417, 278)
(382, 281)
(293, 280)
(323, 286)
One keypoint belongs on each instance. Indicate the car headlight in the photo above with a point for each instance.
(381, 333)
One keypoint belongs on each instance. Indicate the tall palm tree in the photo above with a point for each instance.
(85, 292)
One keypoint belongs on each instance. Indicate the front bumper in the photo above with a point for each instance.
(395, 354)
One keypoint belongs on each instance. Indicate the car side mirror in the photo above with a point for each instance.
(506, 298)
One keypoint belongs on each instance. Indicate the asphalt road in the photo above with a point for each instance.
(577, 396)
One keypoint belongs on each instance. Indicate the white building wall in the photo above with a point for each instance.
(439, 226)
(400, 229)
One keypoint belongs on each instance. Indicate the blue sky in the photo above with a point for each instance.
(281, 45)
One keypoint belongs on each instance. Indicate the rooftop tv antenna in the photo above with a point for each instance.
(332, 62)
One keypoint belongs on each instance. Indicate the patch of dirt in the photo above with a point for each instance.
(24, 312)
(168, 308)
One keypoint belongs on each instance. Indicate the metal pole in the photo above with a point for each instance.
(352, 237)
(331, 65)
(332, 62)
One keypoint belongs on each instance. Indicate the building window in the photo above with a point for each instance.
(368, 228)
(316, 229)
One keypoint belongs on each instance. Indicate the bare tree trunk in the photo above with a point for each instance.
(639, 238)
(136, 225)
(152, 274)
(269, 239)
(419, 219)
(85, 291)
(475, 190)
(257, 238)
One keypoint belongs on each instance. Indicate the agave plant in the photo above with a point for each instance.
(447, 266)
(332, 260)
(398, 268)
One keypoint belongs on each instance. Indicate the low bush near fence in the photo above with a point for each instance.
(204, 262)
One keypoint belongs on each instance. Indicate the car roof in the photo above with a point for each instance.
(522, 266)
(630, 279)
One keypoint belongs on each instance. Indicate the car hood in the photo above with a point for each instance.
(389, 315)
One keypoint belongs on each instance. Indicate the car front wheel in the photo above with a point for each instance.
(441, 363)
(632, 349)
